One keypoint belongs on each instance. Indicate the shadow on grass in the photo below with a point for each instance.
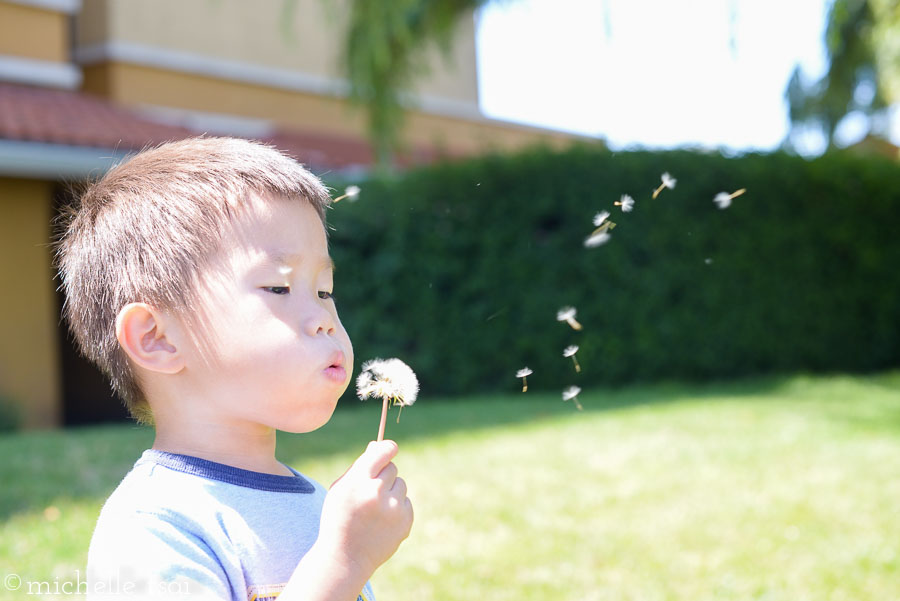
(355, 423)
(88, 462)
(83, 462)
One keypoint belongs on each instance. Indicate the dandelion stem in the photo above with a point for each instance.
(604, 227)
(341, 197)
(384, 410)
(524, 384)
(658, 190)
(577, 404)
(577, 367)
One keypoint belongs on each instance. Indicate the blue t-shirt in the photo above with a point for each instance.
(184, 527)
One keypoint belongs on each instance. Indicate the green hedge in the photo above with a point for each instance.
(459, 269)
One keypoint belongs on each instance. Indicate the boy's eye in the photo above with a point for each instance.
(325, 295)
(278, 289)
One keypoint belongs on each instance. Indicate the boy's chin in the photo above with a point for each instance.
(310, 419)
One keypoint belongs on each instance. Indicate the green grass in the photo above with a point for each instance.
(775, 489)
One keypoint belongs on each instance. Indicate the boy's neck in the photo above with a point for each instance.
(249, 447)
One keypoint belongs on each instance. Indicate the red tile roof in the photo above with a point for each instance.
(34, 114)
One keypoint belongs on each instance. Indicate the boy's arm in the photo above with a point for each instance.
(365, 518)
(144, 556)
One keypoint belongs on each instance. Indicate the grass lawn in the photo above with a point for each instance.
(771, 489)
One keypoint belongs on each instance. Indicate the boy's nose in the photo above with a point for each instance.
(319, 321)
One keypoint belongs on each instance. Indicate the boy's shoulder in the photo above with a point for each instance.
(174, 513)
(190, 489)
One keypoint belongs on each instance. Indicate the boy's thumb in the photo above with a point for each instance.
(376, 456)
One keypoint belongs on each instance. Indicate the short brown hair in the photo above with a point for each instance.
(146, 229)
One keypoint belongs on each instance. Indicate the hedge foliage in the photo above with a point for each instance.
(459, 269)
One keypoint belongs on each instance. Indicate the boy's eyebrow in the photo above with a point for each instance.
(286, 260)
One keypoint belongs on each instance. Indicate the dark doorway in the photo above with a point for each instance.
(87, 395)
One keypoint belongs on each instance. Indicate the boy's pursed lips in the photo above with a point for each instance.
(335, 369)
(336, 359)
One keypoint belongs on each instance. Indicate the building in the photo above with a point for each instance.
(84, 82)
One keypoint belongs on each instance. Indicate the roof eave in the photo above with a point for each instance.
(40, 160)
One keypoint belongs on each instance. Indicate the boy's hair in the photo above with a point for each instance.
(147, 229)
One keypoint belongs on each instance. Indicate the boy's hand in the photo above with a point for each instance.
(367, 513)
(365, 518)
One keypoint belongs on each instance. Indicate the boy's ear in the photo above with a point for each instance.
(143, 334)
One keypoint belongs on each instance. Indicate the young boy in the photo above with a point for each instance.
(197, 277)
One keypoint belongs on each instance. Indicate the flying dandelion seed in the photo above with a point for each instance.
(571, 394)
(601, 234)
(626, 202)
(567, 314)
(667, 182)
(390, 380)
(350, 193)
(600, 217)
(524, 373)
(603, 227)
(723, 199)
(595, 240)
(570, 351)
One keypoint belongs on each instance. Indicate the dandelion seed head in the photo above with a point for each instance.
(600, 217)
(387, 379)
(723, 199)
(524, 372)
(570, 350)
(570, 393)
(597, 239)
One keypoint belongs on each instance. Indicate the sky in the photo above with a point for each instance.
(651, 73)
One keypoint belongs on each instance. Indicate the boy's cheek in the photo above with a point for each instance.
(349, 356)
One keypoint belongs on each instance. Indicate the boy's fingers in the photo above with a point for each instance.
(377, 456)
(399, 488)
(388, 475)
(373, 460)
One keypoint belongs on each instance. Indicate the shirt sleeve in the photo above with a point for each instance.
(146, 556)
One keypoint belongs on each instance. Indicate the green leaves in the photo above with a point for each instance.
(384, 53)
(861, 62)
(463, 267)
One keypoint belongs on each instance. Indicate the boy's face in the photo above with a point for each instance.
(274, 352)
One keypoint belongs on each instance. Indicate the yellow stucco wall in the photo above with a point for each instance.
(33, 33)
(304, 36)
(137, 85)
(30, 371)
(306, 39)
